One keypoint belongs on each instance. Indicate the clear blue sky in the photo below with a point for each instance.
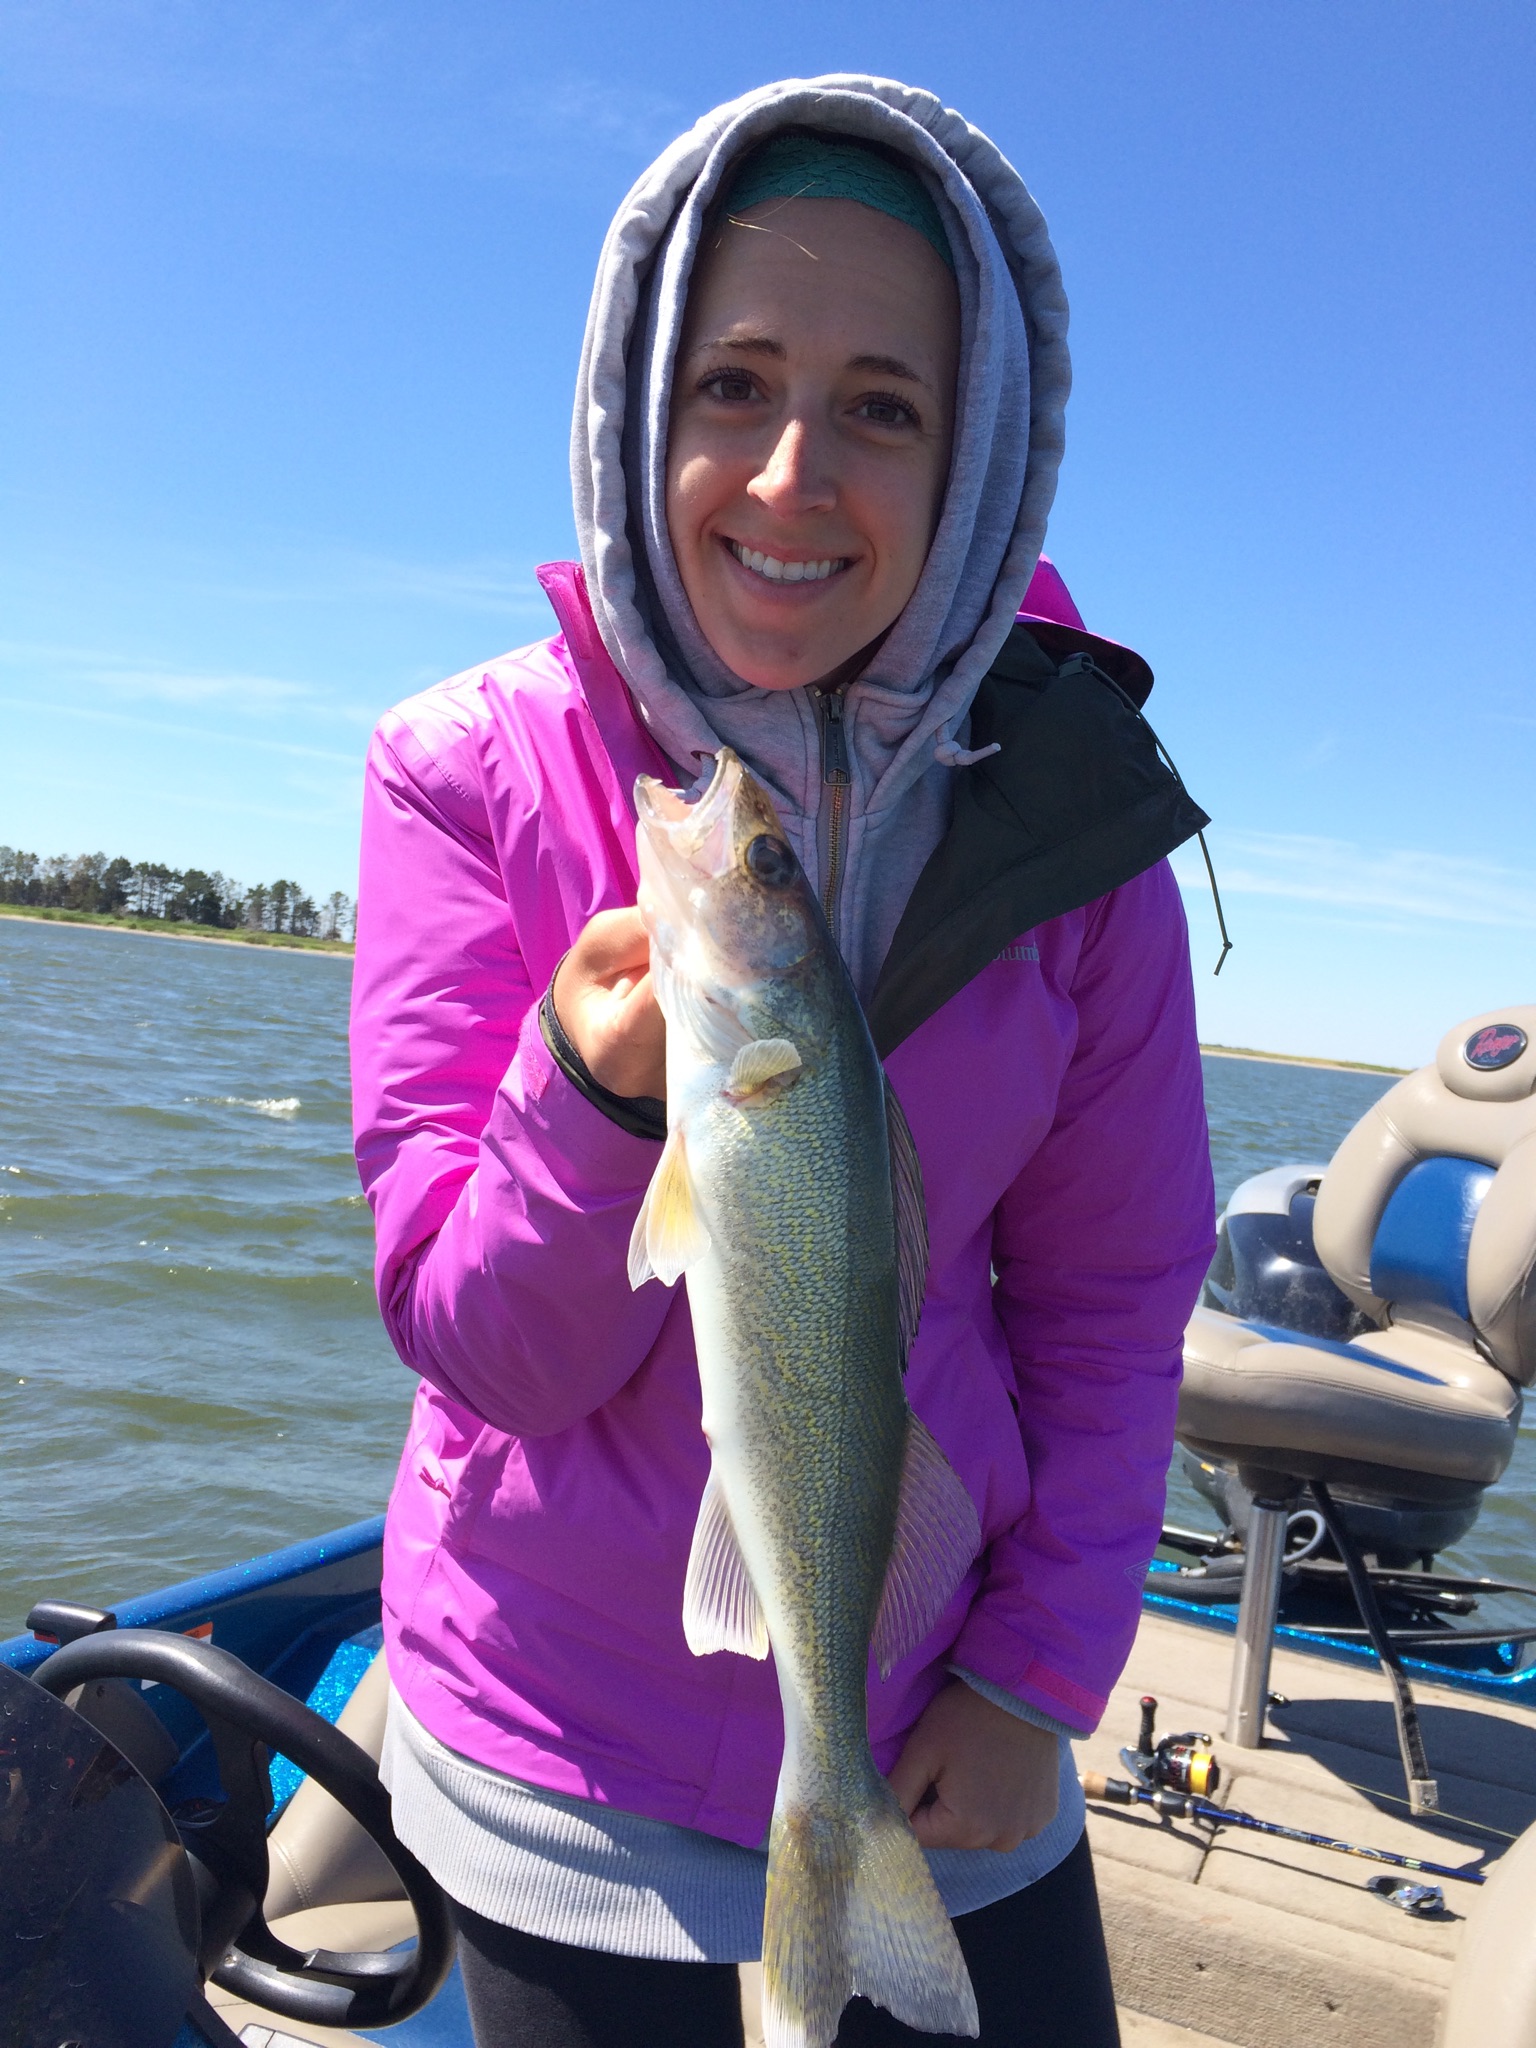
(292, 304)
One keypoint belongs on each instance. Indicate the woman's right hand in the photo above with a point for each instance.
(607, 1006)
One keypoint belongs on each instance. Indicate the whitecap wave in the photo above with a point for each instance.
(285, 1107)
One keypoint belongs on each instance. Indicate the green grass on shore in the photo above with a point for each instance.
(174, 928)
(163, 928)
(1301, 1059)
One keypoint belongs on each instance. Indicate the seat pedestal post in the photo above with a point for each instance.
(1264, 1554)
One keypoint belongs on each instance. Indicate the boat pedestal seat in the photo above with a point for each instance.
(1403, 1413)
(1424, 1222)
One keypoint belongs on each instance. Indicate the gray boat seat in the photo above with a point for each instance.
(317, 1854)
(1492, 2001)
(1426, 1219)
(1425, 1409)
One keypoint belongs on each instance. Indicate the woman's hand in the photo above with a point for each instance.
(607, 1006)
(974, 1776)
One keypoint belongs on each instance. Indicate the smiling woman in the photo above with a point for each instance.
(810, 434)
(818, 421)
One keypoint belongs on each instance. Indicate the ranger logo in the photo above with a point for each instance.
(1495, 1046)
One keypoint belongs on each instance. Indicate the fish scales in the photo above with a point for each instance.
(828, 1504)
(817, 1339)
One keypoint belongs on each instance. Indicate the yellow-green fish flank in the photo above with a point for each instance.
(789, 1194)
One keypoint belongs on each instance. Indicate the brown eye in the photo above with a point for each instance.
(734, 386)
(771, 861)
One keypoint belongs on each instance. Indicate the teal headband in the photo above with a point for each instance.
(798, 166)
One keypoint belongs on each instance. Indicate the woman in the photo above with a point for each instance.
(817, 428)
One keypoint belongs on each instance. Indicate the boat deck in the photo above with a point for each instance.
(1247, 1940)
(1235, 1940)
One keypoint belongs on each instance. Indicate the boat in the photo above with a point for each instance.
(195, 1849)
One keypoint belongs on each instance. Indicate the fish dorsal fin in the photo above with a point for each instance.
(669, 1233)
(757, 1064)
(911, 1213)
(937, 1538)
(721, 1610)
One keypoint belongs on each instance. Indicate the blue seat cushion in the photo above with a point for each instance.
(1273, 1333)
(1419, 1257)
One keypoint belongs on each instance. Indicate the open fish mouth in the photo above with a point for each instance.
(692, 840)
(702, 841)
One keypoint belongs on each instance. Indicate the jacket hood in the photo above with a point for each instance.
(1012, 388)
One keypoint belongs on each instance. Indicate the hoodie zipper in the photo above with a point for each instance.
(837, 777)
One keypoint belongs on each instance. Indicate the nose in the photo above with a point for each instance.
(795, 479)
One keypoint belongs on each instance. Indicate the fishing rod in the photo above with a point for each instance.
(1172, 1805)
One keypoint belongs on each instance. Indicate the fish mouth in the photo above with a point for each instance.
(694, 841)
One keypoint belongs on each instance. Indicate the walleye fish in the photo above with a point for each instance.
(789, 1192)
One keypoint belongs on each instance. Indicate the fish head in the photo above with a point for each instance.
(725, 901)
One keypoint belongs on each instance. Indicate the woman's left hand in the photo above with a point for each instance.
(974, 1776)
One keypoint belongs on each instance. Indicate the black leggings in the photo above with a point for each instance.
(1037, 1961)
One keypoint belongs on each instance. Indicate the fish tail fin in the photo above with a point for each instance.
(852, 1909)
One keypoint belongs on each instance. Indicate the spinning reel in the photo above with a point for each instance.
(1176, 1763)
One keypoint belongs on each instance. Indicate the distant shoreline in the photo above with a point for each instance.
(160, 928)
(157, 928)
(1299, 1059)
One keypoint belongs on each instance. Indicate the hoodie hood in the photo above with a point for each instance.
(913, 699)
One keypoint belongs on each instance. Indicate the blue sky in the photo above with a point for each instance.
(289, 333)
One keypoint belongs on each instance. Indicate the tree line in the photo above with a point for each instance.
(125, 888)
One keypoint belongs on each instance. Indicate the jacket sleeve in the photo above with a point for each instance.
(503, 1199)
(1099, 1249)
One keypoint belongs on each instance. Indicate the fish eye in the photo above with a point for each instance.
(771, 860)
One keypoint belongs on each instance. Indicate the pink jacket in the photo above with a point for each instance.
(540, 1524)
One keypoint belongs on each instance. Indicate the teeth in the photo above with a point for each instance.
(775, 571)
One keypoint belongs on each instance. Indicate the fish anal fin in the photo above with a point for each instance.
(937, 1538)
(758, 1065)
(911, 1213)
(721, 1610)
(669, 1234)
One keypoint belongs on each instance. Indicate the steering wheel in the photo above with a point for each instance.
(228, 1848)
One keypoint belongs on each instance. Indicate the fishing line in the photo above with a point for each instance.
(1461, 1820)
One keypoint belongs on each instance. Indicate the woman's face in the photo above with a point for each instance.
(812, 414)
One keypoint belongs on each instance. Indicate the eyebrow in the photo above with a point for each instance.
(747, 344)
(888, 366)
(765, 345)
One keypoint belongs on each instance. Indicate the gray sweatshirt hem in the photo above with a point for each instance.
(595, 1877)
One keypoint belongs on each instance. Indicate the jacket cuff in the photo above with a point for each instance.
(643, 1116)
(989, 1647)
(584, 1154)
(1012, 1704)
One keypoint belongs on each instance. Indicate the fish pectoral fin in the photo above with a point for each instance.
(911, 1213)
(713, 1026)
(937, 1538)
(721, 1610)
(669, 1234)
(764, 1061)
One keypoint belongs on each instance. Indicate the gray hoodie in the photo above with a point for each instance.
(906, 715)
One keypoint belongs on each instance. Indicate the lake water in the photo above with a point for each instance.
(192, 1369)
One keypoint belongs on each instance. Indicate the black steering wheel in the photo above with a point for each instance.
(246, 1715)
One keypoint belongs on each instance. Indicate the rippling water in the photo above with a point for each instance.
(192, 1369)
(191, 1365)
